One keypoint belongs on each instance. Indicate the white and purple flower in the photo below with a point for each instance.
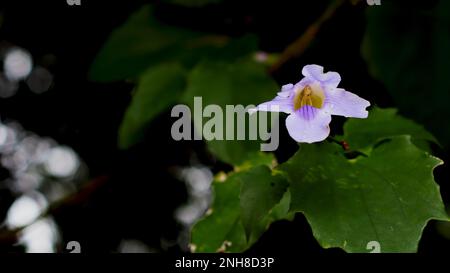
(311, 102)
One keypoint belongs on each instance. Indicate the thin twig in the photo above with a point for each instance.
(296, 48)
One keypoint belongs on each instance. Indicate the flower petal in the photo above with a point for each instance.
(278, 104)
(343, 103)
(330, 79)
(286, 90)
(287, 87)
(308, 124)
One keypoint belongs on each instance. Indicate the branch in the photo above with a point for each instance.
(296, 48)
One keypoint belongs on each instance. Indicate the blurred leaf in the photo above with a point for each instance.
(243, 82)
(214, 48)
(246, 202)
(381, 124)
(143, 41)
(407, 47)
(158, 88)
(376, 198)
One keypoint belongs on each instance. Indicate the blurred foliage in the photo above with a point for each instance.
(406, 46)
(243, 82)
(151, 98)
(143, 41)
(225, 67)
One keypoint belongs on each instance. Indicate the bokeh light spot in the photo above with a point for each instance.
(17, 64)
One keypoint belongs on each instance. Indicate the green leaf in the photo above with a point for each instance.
(210, 233)
(387, 197)
(243, 82)
(281, 210)
(260, 192)
(381, 124)
(158, 88)
(245, 204)
(407, 47)
(143, 41)
(259, 158)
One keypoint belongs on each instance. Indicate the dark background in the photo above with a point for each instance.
(139, 196)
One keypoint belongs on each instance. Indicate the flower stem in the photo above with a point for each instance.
(343, 143)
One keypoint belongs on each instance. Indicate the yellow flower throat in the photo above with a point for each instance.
(309, 95)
